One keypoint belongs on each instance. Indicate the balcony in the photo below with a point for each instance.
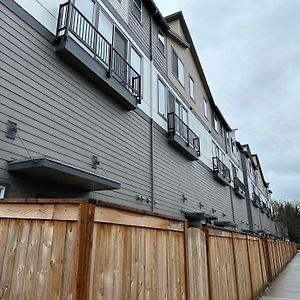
(239, 188)
(82, 45)
(269, 213)
(221, 172)
(182, 137)
(256, 200)
(264, 207)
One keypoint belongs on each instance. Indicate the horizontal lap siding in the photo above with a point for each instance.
(60, 114)
(240, 212)
(175, 176)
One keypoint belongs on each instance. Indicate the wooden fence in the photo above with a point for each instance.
(73, 249)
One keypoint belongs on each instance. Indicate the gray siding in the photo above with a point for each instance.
(240, 212)
(62, 115)
(175, 176)
(122, 8)
(141, 30)
(159, 58)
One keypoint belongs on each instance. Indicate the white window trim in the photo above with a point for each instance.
(178, 60)
(159, 41)
(205, 108)
(2, 191)
(192, 95)
(165, 115)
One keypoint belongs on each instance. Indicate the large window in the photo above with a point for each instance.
(137, 9)
(136, 61)
(86, 7)
(161, 41)
(192, 88)
(178, 68)
(106, 26)
(162, 103)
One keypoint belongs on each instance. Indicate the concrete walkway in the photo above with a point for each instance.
(287, 285)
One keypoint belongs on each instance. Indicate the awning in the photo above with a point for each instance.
(199, 216)
(61, 173)
(225, 224)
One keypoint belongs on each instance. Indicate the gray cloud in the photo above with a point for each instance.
(250, 52)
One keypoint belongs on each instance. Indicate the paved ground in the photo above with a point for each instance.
(287, 285)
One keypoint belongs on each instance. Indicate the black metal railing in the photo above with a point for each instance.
(177, 126)
(125, 73)
(71, 20)
(219, 166)
(238, 184)
(256, 200)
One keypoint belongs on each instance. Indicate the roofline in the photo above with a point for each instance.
(179, 15)
(157, 14)
(261, 171)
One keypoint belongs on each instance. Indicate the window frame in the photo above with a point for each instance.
(205, 108)
(159, 42)
(192, 95)
(159, 80)
(176, 72)
(134, 4)
(2, 191)
(216, 123)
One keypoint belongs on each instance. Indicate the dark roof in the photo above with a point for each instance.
(179, 15)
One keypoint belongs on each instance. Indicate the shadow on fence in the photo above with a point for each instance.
(73, 249)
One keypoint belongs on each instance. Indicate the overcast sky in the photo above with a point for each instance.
(250, 52)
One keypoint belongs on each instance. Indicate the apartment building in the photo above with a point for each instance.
(108, 100)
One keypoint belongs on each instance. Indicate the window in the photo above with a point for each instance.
(178, 68)
(192, 88)
(162, 103)
(2, 192)
(222, 130)
(216, 123)
(234, 171)
(136, 61)
(233, 149)
(161, 41)
(205, 108)
(86, 7)
(105, 26)
(137, 9)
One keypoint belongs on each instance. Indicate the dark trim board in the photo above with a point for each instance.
(52, 170)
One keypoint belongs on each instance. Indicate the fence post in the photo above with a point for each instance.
(186, 253)
(86, 225)
(249, 265)
(235, 267)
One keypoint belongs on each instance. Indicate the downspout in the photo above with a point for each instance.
(153, 202)
(231, 199)
(248, 201)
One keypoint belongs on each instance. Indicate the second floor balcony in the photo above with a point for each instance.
(82, 44)
(239, 188)
(182, 137)
(221, 172)
(264, 207)
(256, 200)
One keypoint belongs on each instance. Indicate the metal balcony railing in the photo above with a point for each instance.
(256, 200)
(238, 184)
(219, 166)
(177, 126)
(72, 21)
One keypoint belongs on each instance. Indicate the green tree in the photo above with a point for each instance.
(288, 216)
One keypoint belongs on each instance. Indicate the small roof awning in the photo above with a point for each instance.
(225, 224)
(199, 216)
(61, 173)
